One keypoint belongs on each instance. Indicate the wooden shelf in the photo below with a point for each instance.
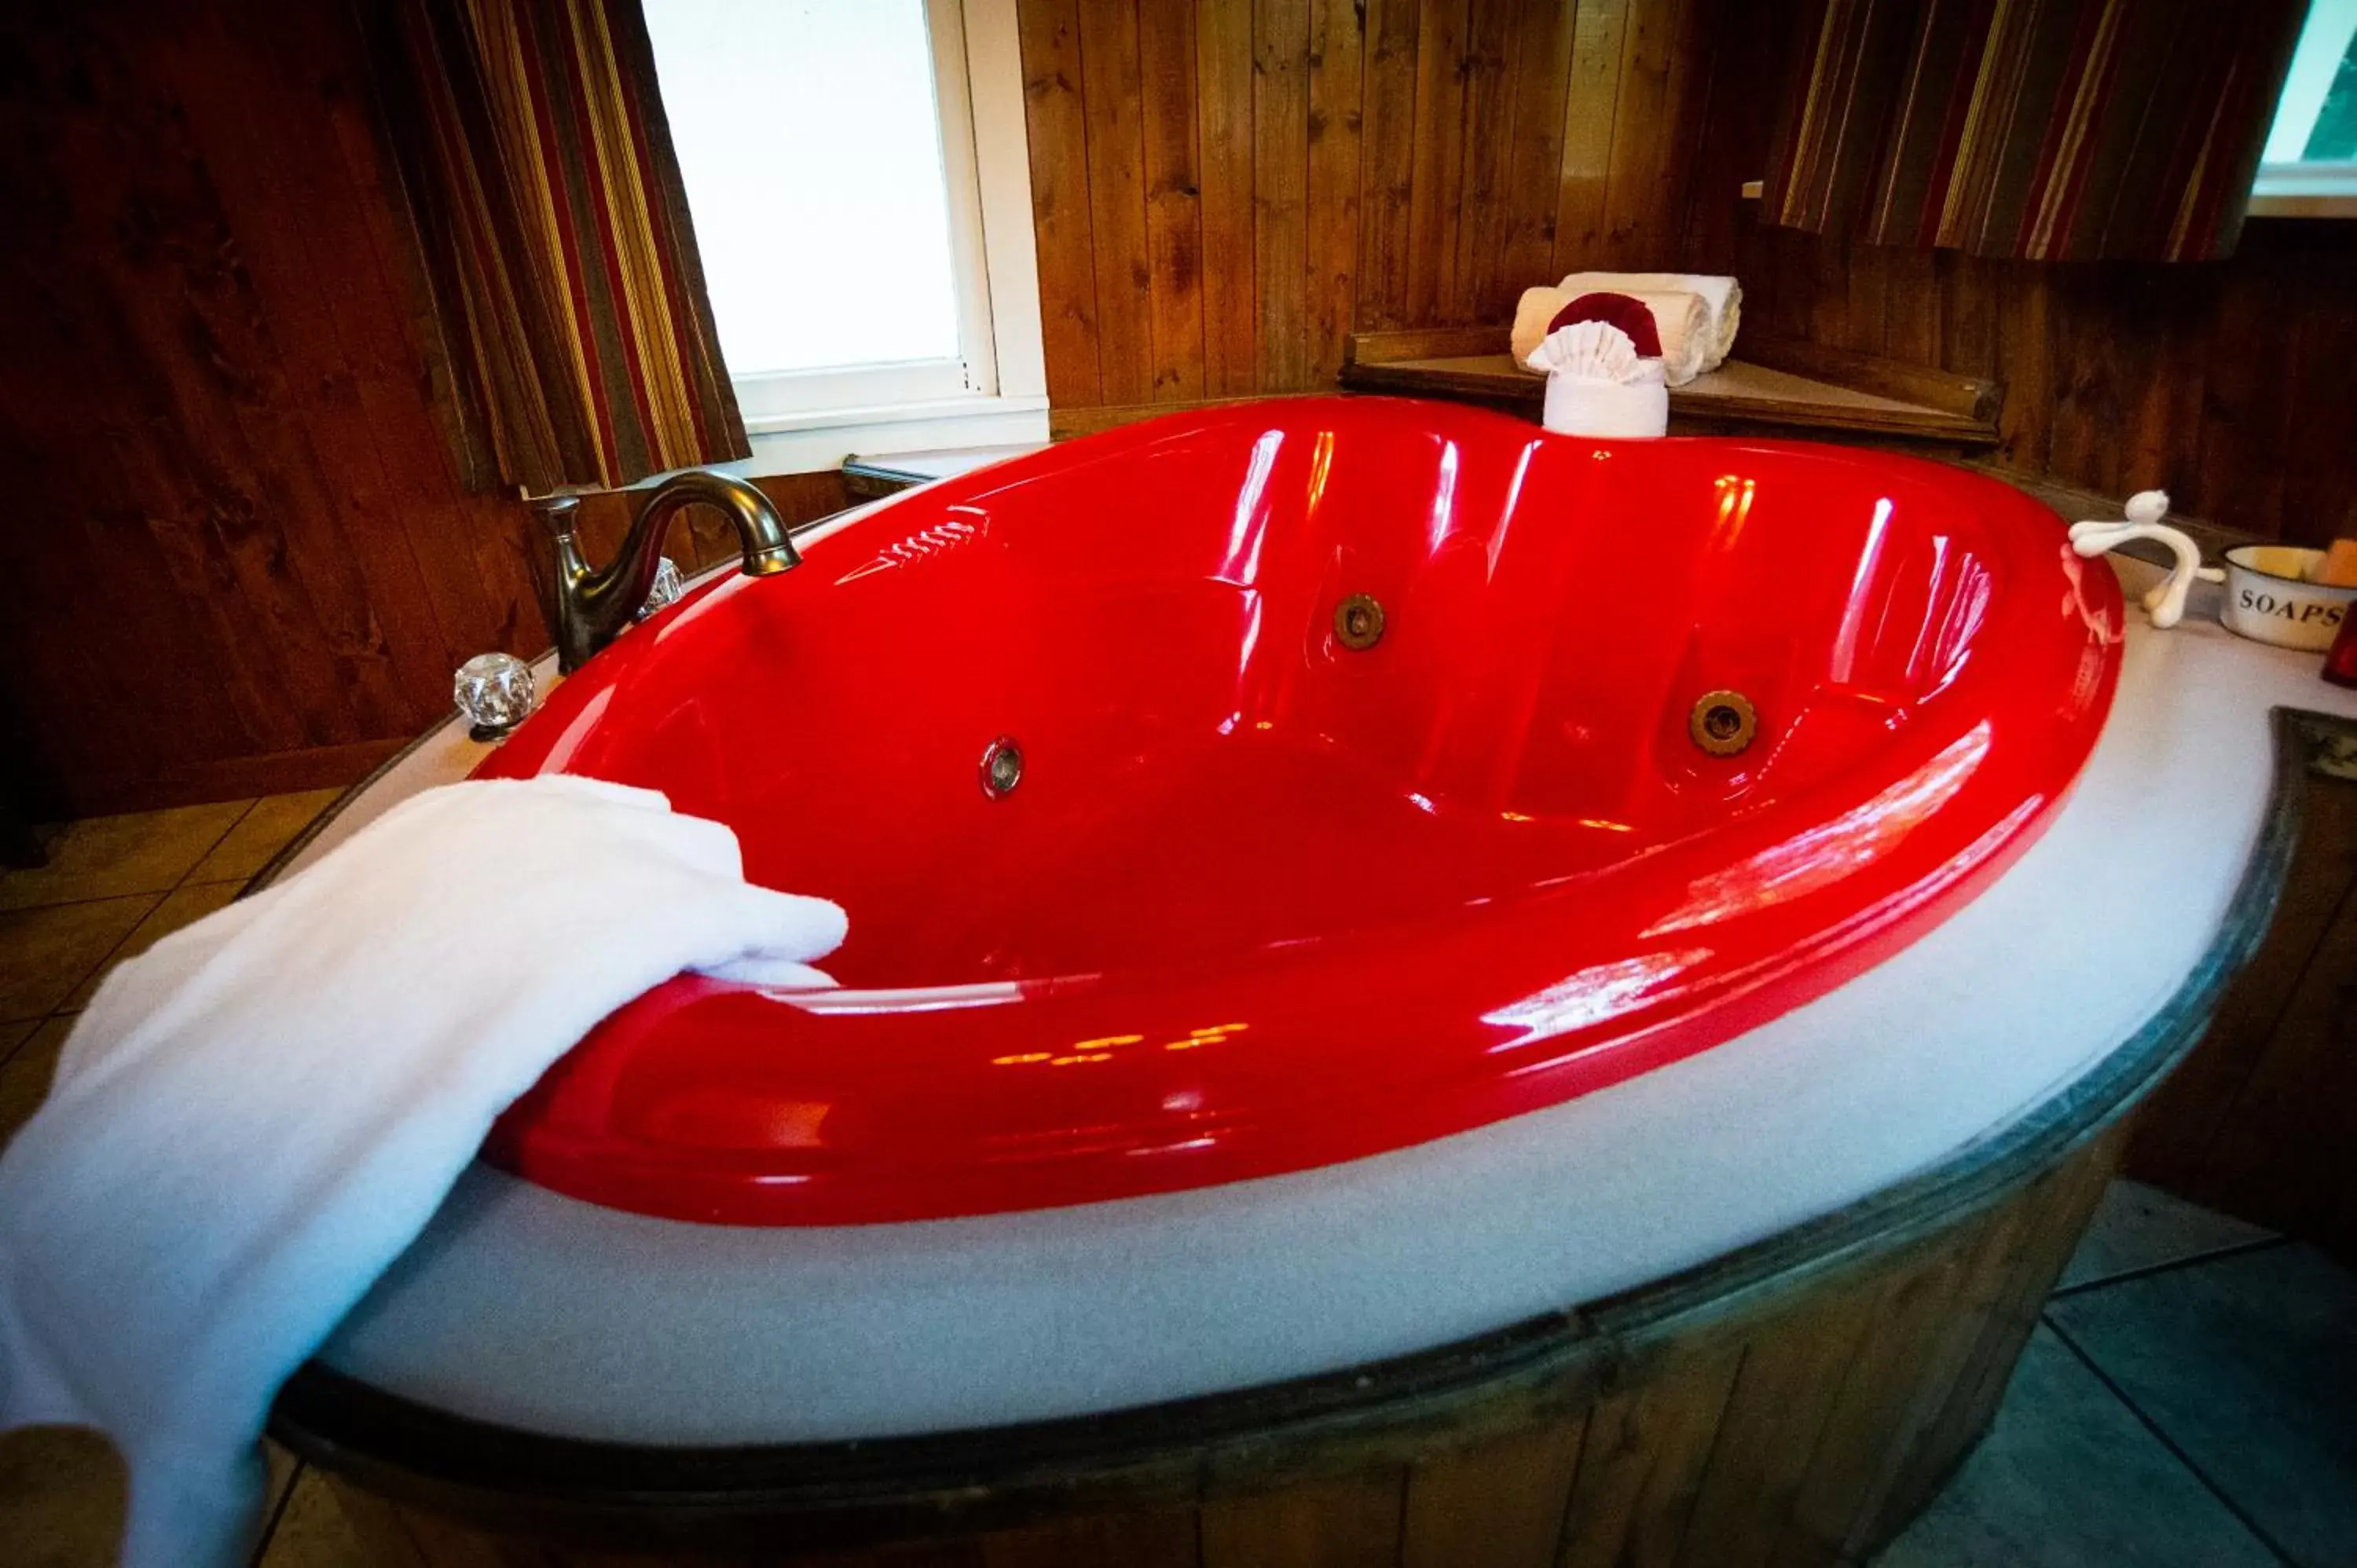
(1776, 385)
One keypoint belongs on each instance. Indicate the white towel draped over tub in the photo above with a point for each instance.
(256, 1117)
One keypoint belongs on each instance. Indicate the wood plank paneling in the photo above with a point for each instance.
(212, 575)
(1281, 190)
(1337, 67)
(1387, 171)
(2282, 1151)
(243, 563)
(2306, 276)
(1651, 135)
(1590, 109)
(1174, 217)
(1799, 1421)
(1352, 1521)
(1882, 1390)
(1223, 78)
(1051, 35)
(1509, 1493)
(2260, 1119)
(247, 560)
(1170, 1539)
(1784, 1395)
(1435, 201)
(382, 625)
(1474, 275)
(1540, 61)
(1356, 165)
(1643, 1464)
(2221, 383)
(1113, 108)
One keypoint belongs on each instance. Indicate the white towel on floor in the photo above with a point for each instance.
(254, 1118)
(1721, 297)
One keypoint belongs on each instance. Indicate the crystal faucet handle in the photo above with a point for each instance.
(666, 588)
(494, 694)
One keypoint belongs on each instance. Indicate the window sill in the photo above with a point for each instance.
(2289, 204)
(2305, 190)
(2270, 200)
(811, 442)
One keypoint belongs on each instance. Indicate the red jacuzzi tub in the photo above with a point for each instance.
(1373, 779)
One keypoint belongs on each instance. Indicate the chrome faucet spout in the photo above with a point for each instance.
(591, 608)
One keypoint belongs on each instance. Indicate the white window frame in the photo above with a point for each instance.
(994, 390)
(2288, 188)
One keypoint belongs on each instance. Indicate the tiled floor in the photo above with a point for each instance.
(112, 886)
(2190, 1397)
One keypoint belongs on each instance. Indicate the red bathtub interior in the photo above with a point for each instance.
(1261, 901)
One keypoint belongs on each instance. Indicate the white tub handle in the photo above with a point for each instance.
(2165, 600)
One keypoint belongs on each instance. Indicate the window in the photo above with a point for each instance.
(2309, 167)
(857, 175)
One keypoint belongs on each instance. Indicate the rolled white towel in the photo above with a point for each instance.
(1722, 297)
(1682, 320)
(1531, 313)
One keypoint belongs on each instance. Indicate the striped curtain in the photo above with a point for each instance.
(573, 337)
(2049, 130)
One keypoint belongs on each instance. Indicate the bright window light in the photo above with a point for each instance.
(2310, 162)
(809, 139)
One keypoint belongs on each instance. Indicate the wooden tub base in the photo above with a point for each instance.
(1805, 1420)
(1795, 1402)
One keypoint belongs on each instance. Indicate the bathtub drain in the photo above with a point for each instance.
(1723, 722)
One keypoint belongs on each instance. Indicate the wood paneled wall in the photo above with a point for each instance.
(245, 562)
(239, 559)
(1225, 189)
(2225, 383)
(236, 535)
(2260, 1120)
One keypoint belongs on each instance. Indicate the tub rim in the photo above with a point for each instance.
(567, 1144)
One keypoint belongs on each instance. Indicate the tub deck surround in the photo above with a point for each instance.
(541, 1313)
(1809, 1417)
(1276, 888)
